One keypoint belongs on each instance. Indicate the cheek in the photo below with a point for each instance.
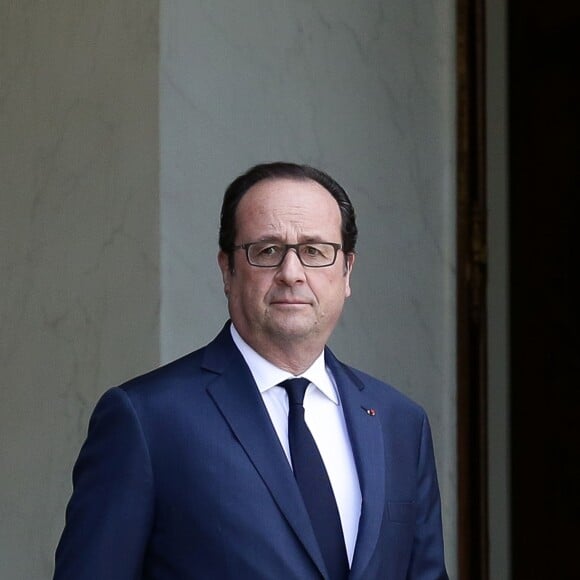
(331, 289)
(251, 290)
(343, 284)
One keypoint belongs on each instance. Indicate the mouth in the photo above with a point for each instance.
(290, 302)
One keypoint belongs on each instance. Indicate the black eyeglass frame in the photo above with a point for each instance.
(246, 247)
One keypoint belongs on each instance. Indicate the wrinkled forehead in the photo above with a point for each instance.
(288, 205)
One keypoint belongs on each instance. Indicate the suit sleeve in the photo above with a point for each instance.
(109, 516)
(427, 559)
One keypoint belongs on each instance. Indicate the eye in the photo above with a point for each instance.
(312, 251)
(268, 250)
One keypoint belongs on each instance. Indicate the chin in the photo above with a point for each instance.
(295, 330)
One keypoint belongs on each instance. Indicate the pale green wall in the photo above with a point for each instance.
(364, 90)
(79, 267)
(121, 124)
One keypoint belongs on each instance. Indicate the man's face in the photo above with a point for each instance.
(290, 303)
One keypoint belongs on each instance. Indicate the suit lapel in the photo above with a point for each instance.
(238, 399)
(366, 437)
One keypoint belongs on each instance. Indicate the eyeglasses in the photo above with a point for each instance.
(272, 254)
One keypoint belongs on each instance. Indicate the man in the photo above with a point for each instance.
(210, 468)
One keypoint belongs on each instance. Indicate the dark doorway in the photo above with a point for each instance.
(544, 166)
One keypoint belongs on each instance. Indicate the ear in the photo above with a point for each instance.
(224, 264)
(348, 266)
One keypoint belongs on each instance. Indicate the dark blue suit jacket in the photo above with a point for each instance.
(182, 476)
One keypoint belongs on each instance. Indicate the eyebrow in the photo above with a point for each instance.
(281, 240)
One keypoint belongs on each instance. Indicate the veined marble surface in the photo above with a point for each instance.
(79, 267)
(362, 90)
(121, 125)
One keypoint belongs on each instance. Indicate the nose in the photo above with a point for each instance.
(291, 270)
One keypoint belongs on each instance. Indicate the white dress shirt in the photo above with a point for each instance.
(325, 419)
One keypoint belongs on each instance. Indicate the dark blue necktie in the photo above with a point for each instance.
(314, 484)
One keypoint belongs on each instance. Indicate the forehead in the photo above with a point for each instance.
(282, 206)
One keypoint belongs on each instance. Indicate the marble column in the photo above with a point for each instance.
(79, 265)
(364, 90)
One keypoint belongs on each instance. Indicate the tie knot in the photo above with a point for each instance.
(295, 389)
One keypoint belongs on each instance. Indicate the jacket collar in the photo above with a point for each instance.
(366, 438)
(235, 393)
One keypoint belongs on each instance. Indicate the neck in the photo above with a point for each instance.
(291, 354)
(291, 358)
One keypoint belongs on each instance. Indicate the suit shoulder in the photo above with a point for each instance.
(183, 372)
(187, 376)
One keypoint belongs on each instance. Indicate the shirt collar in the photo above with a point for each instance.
(268, 375)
